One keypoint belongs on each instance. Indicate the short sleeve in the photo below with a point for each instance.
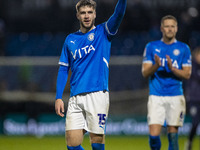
(187, 58)
(147, 55)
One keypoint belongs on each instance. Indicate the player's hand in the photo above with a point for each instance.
(169, 63)
(157, 60)
(59, 107)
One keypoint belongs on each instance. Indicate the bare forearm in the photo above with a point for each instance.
(183, 74)
(149, 71)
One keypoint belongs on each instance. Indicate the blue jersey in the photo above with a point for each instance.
(163, 82)
(88, 56)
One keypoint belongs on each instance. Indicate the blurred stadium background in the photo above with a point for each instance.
(32, 33)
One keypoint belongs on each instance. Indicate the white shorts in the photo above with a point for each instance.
(169, 108)
(88, 111)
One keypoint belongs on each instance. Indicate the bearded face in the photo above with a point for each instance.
(86, 16)
(169, 29)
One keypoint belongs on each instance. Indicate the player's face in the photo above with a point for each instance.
(86, 15)
(169, 29)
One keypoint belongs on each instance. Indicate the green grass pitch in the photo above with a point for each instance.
(58, 143)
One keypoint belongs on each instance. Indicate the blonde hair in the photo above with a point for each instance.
(89, 3)
(168, 17)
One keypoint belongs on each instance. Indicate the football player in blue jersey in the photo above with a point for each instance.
(87, 53)
(166, 63)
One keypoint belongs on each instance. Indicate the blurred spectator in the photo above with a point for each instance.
(192, 89)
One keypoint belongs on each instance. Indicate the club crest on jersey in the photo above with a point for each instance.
(91, 37)
(176, 52)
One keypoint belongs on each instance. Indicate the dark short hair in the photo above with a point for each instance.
(168, 17)
(89, 3)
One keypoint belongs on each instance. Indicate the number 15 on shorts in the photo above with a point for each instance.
(102, 119)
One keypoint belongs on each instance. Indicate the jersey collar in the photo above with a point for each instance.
(175, 41)
(88, 31)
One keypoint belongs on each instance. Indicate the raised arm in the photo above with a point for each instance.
(115, 20)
